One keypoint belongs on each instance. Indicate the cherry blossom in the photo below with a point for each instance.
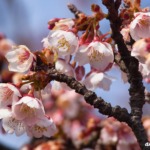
(20, 59)
(98, 54)
(44, 126)
(8, 94)
(63, 42)
(98, 80)
(28, 109)
(69, 104)
(141, 50)
(140, 26)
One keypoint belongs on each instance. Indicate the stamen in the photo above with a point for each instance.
(62, 43)
(95, 55)
(39, 129)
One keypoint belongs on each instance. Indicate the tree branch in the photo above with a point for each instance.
(91, 98)
(136, 89)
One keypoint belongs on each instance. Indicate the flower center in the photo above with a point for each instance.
(63, 44)
(30, 112)
(95, 55)
(39, 129)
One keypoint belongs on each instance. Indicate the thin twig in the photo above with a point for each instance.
(74, 10)
(91, 98)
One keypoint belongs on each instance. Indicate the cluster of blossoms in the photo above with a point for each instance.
(137, 30)
(71, 46)
(23, 113)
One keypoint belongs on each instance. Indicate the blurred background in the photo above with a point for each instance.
(25, 22)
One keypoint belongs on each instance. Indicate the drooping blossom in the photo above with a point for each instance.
(28, 109)
(20, 59)
(98, 80)
(63, 42)
(8, 94)
(44, 126)
(98, 54)
(12, 125)
(140, 26)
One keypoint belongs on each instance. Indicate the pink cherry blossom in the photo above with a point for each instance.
(141, 50)
(12, 125)
(140, 26)
(98, 54)
(63, 42)
(98, 80)
(44, 126)
(28, 109)
(20, 59)
(8, 94)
